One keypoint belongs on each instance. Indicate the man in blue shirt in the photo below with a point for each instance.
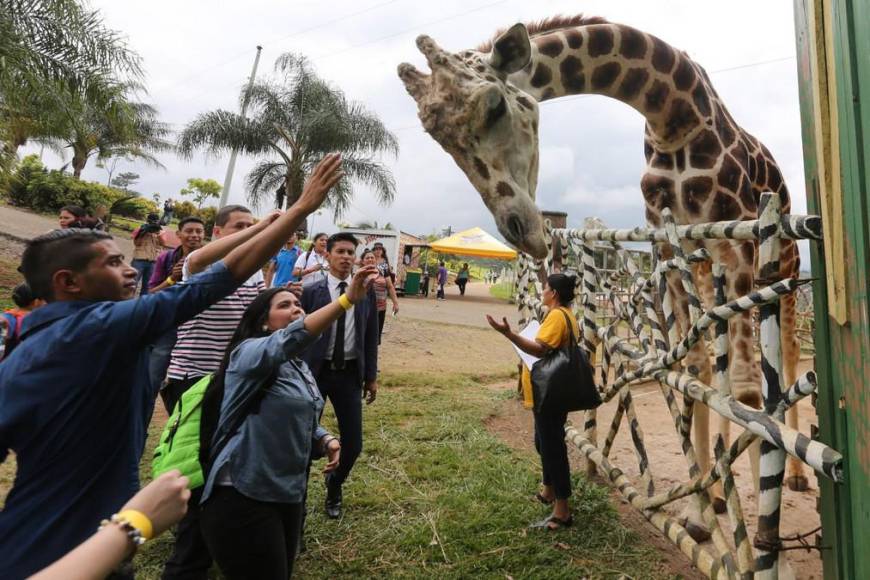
(279, 271)
(75, 399)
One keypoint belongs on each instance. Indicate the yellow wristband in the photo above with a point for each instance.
(345, 302)
(139, 521)
(169, 280)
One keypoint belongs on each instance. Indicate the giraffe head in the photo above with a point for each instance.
(488, 126)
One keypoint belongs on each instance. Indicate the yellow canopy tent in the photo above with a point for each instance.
(474, 242)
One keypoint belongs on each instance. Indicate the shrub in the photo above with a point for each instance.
(33, 186)
(183, 209)
(207, 214)
(135, 207)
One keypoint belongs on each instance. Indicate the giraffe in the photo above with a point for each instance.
(481, 106)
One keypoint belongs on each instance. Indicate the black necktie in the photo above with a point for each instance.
(338, 351)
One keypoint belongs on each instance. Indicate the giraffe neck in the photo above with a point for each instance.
(661, 83)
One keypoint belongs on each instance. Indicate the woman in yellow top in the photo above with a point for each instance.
(549, 428)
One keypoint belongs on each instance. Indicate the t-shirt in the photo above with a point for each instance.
(203, 339)
(308, 259)
(284, 263)
(553, 333)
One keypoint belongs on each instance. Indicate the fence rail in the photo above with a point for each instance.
(630, 315)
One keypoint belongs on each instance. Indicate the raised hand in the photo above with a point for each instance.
(503, 327)
(361, 280)
(325, 175)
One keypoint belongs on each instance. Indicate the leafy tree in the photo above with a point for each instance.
(49, 47)
(202, 189)
(299, 118)
(373, 225)
(125, 180)
(106, 122)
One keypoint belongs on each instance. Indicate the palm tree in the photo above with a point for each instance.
(48, 46)
(299, 118)
(106, 122)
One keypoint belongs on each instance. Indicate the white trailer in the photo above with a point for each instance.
(368, 238)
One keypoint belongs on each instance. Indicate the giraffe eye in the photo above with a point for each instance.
(495, 113)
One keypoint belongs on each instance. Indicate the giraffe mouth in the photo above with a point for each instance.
(515, 230)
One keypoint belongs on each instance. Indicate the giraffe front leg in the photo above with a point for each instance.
(796, 478)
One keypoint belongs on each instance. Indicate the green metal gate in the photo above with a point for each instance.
(833, 43)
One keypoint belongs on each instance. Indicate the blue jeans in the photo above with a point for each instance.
(144, 267)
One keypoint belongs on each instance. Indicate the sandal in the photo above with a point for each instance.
(547, 522)
(540, 497)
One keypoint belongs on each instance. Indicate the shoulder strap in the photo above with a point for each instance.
(570, 326)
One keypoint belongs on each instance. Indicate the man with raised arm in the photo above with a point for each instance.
(75, 398)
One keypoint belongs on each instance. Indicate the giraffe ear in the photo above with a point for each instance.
(512, 50)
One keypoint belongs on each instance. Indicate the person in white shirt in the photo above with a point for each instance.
(312, 265)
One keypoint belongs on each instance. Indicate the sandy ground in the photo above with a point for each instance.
(669, 466)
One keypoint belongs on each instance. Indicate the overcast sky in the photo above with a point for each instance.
(198, 54)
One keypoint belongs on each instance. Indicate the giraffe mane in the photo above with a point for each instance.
(547, 25)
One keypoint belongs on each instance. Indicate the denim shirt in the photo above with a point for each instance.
(267, 458)
(75, 401)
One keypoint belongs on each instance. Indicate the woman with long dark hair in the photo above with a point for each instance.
(260, 426)
(557, 296)
(383, 287)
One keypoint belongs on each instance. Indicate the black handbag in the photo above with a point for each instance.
(563, 381)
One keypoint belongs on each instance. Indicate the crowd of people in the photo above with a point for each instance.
(244, 339)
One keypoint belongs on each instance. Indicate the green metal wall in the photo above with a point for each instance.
(843, 351)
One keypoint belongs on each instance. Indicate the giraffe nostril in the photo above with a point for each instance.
(515, 228)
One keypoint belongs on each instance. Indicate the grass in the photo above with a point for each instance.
(502, 290)
(436, 495)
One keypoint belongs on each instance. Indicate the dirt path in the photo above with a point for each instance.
(23, 225)
(468, 310)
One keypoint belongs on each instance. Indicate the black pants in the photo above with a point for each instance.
(190, 559)
(382, 317)
(440, 293)
(550, 443)
(342, 388)
(249, 538)
(461, 284)
(173, 390)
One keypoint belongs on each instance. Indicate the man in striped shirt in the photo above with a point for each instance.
(198, 352)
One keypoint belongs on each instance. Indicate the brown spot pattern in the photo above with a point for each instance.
(681, 118)
(504, 189)
(696, 190)
(574, 39)
(743, 284)
(724, 207)
(730, 174)
(658, 191)
(662, 57)
(600, 41)
(701, 100)
(632, 43)
(572, 74)
(524, 102)
(684, 76)
(705, 150)
(656, 96)
(481, 168)
(680, 160)
(542, 76)
(633, 82)
(604, 75)
(551, 45)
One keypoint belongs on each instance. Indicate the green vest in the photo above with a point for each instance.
(178, 447)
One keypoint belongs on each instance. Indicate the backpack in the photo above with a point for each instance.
(181, 443)
(178, 447)
(14, 318)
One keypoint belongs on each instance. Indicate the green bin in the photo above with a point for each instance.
(412, 282)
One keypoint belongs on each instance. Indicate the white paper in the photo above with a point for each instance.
(530, 332)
